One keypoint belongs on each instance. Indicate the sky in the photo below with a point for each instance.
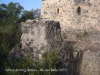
(27, 4)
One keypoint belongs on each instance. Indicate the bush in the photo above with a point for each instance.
(40, 68)
(85, 34)
(78, 36)
(82, 35)
(9, 36)
(50, 61)
(64, 36)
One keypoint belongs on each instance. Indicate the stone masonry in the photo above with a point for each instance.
(75, 16)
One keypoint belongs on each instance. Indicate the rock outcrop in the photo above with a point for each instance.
(38, 37)
(75, 57)
(41, 36)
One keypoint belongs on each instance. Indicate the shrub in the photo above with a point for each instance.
(85, 34)
(78, 36)
(49, 62)
(64, 36)
(82, 35)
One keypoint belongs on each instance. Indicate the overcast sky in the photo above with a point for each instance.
(27, 4)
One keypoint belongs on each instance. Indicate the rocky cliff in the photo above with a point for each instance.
(75, 57)
(37, 37)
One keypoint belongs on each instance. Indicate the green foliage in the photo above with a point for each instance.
(51, 57)
(85, 34)
(9, 30)
(26, 15)
(9, 36)
(50, 61)
(78, 36)
(14, 9)
(29, 15)
(20, 64)
(64, 36)
(82, 35)
(25, 66)
(11, 16)
(36, 13)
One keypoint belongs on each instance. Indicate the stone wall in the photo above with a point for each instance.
(89, 63)
(74, 16)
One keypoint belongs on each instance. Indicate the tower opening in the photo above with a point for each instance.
(79, 10)
(57, 10)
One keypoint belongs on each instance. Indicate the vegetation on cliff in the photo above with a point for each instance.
(10, 17)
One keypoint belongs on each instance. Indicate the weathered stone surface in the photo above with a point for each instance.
(75, 57)
(66, 12)
(38, 37)
(90, 64)
(66, 60)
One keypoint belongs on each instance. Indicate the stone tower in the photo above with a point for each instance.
(74, 15)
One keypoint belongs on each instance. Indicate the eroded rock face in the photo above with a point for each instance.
(66, 60)
(41, 36)
(33, 38)
(75, 57)
(38, 37)
(90, 64)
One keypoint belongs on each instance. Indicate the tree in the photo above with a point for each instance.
(10, 13)
(3, 13)
(26, 15)
(36, 13)
(9, 30)
(14, 11)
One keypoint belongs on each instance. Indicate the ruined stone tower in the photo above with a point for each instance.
(74, 15)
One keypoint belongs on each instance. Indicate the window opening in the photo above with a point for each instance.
(79, 10)
(57, 10)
